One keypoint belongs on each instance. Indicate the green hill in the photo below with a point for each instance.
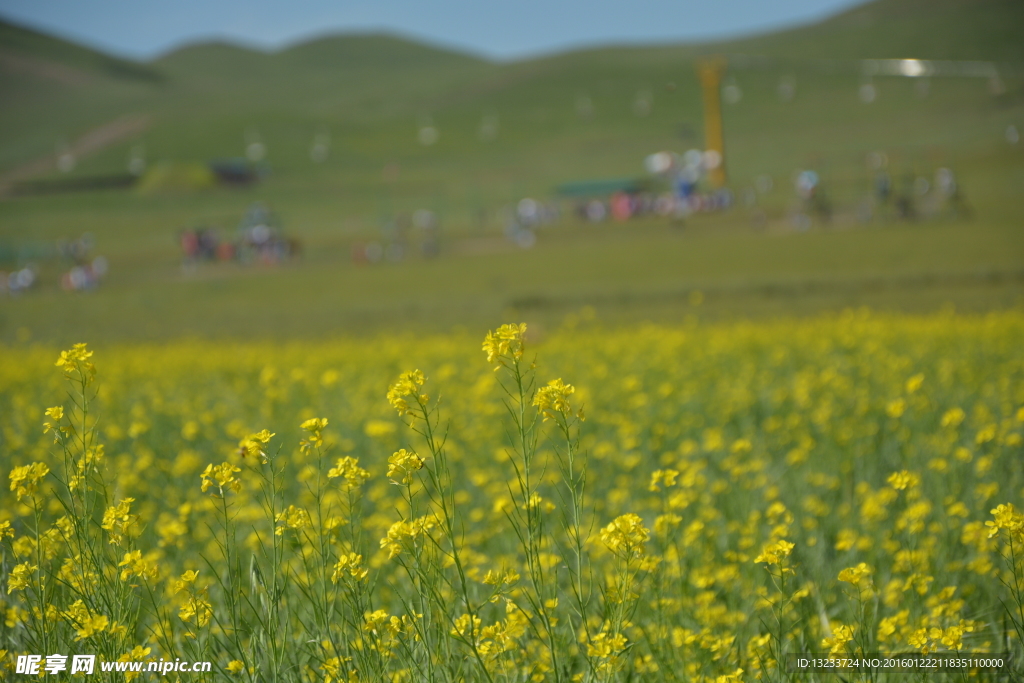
(214, 61)
(27, 44)
(55, 91)
(896, 29)
(369, 80)
(371, 51)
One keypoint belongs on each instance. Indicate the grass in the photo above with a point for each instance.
(646, 265)
(372, 93)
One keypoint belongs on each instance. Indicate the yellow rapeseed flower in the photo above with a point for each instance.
(252, 445)
(554, 398)
(135, 565)
(402, 464)
(223, 476)
(506, 342)
(775, 552)
(25, 479)
(77, 358)
(197, 608)
(1006, 518)
(888, 626)
(953, 417)
(896, 408)
(903, 480)
(57, 414)
(292, 518)
(408, 384)
(349, 471)
(859, 576)
(351, 564)
(841, 635)
(502, 578)
(855, 575)
(118, 520)
(19, 577)
(606, 648)
(314, 426)
(661, 478)
(186, 581)
(403, 531)
(84, 622)
(626, 535)
(914, 383)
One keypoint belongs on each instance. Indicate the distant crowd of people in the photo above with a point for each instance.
(876, 198)
(402, 236)
(77, 268)
(918, 197)
(258, 239)
(622, 206)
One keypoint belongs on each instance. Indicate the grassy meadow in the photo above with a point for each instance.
(368, 96)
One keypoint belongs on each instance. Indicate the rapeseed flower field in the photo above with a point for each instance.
(687, 503)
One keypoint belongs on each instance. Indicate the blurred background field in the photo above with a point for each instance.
(398, 172)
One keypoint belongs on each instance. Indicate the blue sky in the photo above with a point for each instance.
(143, 29)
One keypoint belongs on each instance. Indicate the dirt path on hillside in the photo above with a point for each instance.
(39, 68)
(122, 128)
